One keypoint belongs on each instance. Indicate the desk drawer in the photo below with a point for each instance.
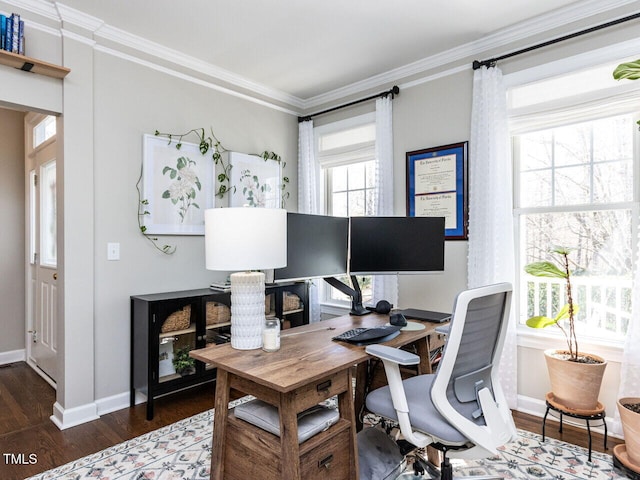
(310, 395)
(436, 340)
(329, 460)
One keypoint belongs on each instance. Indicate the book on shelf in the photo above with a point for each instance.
(220, 286)
(15, 32)
(12, 33)
(3, 31)
(21, 38)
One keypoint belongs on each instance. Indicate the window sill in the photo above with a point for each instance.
(334, 309)
(530, 338)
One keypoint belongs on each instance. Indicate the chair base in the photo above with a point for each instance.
(444, 472)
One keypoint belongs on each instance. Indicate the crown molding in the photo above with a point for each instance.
(537, 26)
(74, 17)
(121, 37)
(520, 31)
(39, 7)
(192, 79)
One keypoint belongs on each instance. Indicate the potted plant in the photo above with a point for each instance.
(629, 452)
(182, 362)
(575, 376)
(629, 407)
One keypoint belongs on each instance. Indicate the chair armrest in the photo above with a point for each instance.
(392, 358)
(395, 355)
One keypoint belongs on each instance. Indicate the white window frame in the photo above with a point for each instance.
(594, 105)
(339, 157)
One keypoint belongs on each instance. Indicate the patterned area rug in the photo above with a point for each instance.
(529, 458)
(182, 451)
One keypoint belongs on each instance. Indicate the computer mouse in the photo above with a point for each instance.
(398, 320)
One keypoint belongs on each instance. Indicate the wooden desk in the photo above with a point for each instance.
(308, 368)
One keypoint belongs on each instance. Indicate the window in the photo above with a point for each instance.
(48, 237)
(575, 187)
(346, 153)
(44, 130)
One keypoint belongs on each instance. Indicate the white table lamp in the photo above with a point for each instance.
(246, 239)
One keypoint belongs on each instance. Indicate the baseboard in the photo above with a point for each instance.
(13, 356)
(537, 407)
(113, 403)
(532, 406)
(70, 417)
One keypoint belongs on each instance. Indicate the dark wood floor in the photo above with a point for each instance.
(30, 443)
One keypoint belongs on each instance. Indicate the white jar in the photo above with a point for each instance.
(271, 335)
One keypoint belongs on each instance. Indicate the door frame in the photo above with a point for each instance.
(30, 121)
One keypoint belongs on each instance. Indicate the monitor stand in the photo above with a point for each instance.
(355, 293)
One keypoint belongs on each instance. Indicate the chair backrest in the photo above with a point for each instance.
(470, 363)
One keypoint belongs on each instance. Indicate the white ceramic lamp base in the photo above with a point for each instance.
(247, 310)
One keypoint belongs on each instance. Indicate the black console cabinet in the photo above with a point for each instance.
(166, 325)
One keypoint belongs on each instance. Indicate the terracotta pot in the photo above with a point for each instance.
(631, 428)
(575, 385)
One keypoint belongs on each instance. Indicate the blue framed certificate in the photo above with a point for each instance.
(437, 187)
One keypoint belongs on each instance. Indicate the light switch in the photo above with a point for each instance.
(113, 251)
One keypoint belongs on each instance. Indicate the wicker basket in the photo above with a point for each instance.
(267, 304)
(217, 313)
(179, 320)
(290, 301)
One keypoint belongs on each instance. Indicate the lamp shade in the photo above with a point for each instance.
(245, 238)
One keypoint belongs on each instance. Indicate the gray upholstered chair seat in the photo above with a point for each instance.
(422, 413)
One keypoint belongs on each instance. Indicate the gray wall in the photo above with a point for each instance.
(126, 107)
(12, 218)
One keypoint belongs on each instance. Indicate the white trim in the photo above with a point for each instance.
(349, 154)
(65, 418)
(40, 7)
(189, 78)
(143, 45)
(13, 356)
(114, 403)
(333, 309)
(507, 36)
(531, 338)
(580, 61)
(40, 372)
(79, 19)
(539, 25)
(66, 34)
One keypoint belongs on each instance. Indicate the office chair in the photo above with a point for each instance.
(460, 410)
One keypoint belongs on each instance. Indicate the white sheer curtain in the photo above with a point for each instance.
(630, 369)
(309, 195)
(491, 233)
(385, 287)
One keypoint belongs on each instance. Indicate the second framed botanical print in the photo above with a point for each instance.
(437, 186)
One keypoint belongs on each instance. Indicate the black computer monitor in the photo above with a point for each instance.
(317, 247)
(387, 245)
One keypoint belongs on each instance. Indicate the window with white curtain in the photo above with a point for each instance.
(576, 165)
(345, 151)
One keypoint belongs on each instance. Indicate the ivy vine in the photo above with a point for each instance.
(207, 144)
(142, 212)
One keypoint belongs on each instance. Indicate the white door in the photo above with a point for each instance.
(42, 265)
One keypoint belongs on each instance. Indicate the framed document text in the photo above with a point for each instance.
(437, 186)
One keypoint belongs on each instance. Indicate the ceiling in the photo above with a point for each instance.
(306, 48)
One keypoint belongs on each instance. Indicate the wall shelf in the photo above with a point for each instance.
(32, 65)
